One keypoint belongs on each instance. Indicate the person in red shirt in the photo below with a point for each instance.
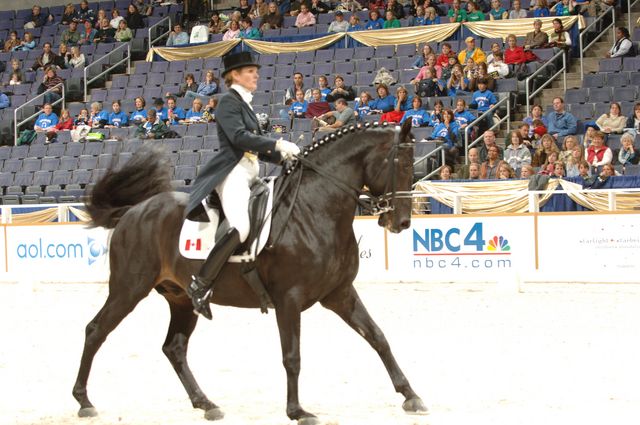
(443, 59)
(65, 122)
(513, 54)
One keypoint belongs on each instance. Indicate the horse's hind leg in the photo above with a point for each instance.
(346, 303)
(182, 324)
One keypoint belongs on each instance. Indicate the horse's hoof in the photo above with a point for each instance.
(87, 412)
(415, 406)
(309, 420)
(214, 414)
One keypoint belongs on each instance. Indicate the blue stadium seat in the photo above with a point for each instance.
(68, 163)
(12, 165)
(42, 177)
(61, 177)
(31, 164)
(50, 163)
(87, 162)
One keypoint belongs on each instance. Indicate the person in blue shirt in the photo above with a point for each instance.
(447, 131)
(323, 84)
(47, 118)
(561, 123)
(175, 114)
(431, 16)
(299, 107)
(139, 115)
(420, 17)
(178, 37)
(354, 24)
(403, 103)
(210, 85)
(483, 100)
(462, 116)
(458, 81)
(362, 107)
(419, 117)
(194, 114)
(4, 101)
(161, 112)
(248, 31)
(117, 118)
(375, 21)
(543, 9)
(435, 117)
(98, 117)
(384, 102)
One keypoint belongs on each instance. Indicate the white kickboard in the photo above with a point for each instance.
(197, 239)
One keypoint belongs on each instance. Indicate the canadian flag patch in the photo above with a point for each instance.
(195, 244)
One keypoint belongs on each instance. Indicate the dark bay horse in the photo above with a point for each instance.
(314, 258)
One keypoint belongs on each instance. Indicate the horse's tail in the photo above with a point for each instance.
(146, 174)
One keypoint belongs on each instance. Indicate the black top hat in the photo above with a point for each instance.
(237, 60)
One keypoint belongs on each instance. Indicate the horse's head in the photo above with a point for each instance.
(389, 174)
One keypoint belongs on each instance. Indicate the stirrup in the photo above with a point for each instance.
(200, 294)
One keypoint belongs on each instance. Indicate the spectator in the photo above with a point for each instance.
(244, 8)
(88, 33)
(375, 21)
(317, 106)
(546, 148)
(195, 114)
(536, 39)
(427, 83)
(117, 118)
(362, 108)
(497, 12)
(81, 125)
(584, 170)
(403, 103)
(431, 17)
(47, 119)
(391, 21)
(488, 140)
(106, 34)
(354, 24)
(628, 154)
(144, 6)
(514, 54)
(568, 144)
(435, 117)
(102, 14)
(462, 116)
(216, 25)
(298, 84)
(562, 8)
(458, 82)
(516, 12)
(317, 7)
(419, 117)
(482, 73)
(4, 101)
(384, 102)
(457, 13)
(421, 59)
(209, 87)
(342, 116)
(69, 15)
(447, 131)
(12, 42)
(16, 79)
(77, 59)
(86, 14)
(162, 113)
(98, 117)
(498, 69)
(505, 171)
(517, 153)
(495, 48)
(474, 14)
(340, 90)
(189, 85)
(234, 17)
(542, 9)
(272, 20)
(573, 162)
(50, 81)
(559, 39)
(443, 58)
(613, 121)
(396, 8)
(527, 171)
(232, 32)
(209, 113)
(561, 123)
(483, 100)
(134, 18)
(419, 18)
(377, 5)
(471, 52)
(536, 114)
(28, 43)
(37, 19)
(175, 114)
(298, 109)
(248, 31)
(445, 172)
(65, 122)
(431, 63)
(597, 153)
(115, 19)
(474, 159)
(152, 128)
(258, 10)
(123, 33)
(633, 121)
(339, 24)
(623, 45)
(71, 35)
(177, 37)
(139, 115)
(489, 168)
(305, 18)
(323, 86)
(474, 171)
(548, 168)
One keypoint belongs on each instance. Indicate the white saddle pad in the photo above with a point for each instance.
(197, 239)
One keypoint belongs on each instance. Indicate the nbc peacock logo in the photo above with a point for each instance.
(498, 244)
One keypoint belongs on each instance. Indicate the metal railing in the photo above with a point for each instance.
(602, 32)
(483, 116)
(439, 150)
(101, 61)
(17, 125)
(629, 23)
(161, 36)
(550, 62)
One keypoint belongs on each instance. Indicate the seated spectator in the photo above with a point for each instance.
(342, 116)
(527, 140)
(514, 54)
(568, 144)
(448, 68)
(195, 114)
(516, 12)
(458, 82)
(339, 24)
(258, 10)
(16, 79)
(598, 153)
(633, 121)
(209, 112)
(445, 172)
(489, 168)
(584, 170)
(431, 62)
(144, 6)
(471, 52)
(375, 21)
(362, 108)
(377, 4)
(4, 101)
(106, 33)
(482, 73)
(234, 17)
(391, 21)
(435, 117)
(81, 126)
(488, 140)
(317, 105)
(47, 119)
(462, 116)
(65, 122)
(305, 18)
(421, 59)
(98, 118)
(495, 48)
(123, 33)
(248, 31)
(549, 166)
(431, 16)
(177, 37)
(102, 14)
(546, 148)
(88, 34)
(456, 13)
(447, 131)
(559, 39)
(419, 117)
(573, 162)
(474, 171)
(216, 25)
(162, 113)
(498, 69)
(395, 7)
(189, 85)
(232, 32)
(139, 115)
(85, 13)
(443, 58)
(244, 8)
(385, 102)
(71, 35)
(50, 81)
(323, 85)
(340, 90)
(298, 84)
(134, 18)
(542, 9)
(628, 154)
(37, 19)
(69, 15)
(561, 123)
(117, 118)
(354, 24)
(419, 18)
(483, 99)
(527, 171)
(427, 84)
(517, 153)
(344, 6)
(272, 20)
(623, 45)
(298, 109)
(62, 58)
(209, 87)
(77, 59)
(12, 42)
(474, 14)
(497, 12)
(403, 103)
(474, 159)
(27, 43)
(152, 128)
(505, 171)
(562, 8)
(537, 38)
(536, 114)
(115, 19)
(613, 121)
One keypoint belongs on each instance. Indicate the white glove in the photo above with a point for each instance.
(287, 149)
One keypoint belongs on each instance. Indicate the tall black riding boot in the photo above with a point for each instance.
(200, 288)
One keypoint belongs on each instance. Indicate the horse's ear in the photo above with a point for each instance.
(405, 130)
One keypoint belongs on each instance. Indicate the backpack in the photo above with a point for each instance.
(94, 137)
(428, 88)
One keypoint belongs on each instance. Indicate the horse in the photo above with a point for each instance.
(311, 254)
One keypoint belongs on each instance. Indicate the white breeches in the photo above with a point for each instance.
(234, 192)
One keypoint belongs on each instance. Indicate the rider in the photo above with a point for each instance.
(232, 170)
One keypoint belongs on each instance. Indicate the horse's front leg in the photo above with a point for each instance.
(288, 316)
(346, 303)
